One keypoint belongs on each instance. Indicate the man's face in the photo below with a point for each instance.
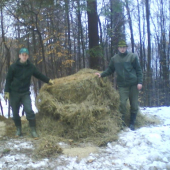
(23, 57)
(122, 49)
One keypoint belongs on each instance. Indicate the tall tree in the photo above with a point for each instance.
(94, 49)
(8, 55)
(130, 24)
(163, 52)
(4, 42)
(140, 35)
(148, 81)
(80, 35)
(117, 20)
(68, 36)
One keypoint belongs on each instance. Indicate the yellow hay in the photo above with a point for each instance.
(82, 106)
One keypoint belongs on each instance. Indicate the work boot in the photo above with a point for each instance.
(132, 121)
(32, 124)
(18, 132)
(33, 132)
(132, 127)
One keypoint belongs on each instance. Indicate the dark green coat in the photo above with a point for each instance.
(127, 68)
(18, 78)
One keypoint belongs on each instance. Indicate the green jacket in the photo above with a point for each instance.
(127, 68)
(18, 78)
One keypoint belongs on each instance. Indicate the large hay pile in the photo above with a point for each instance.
(78, 108)
(81, 107)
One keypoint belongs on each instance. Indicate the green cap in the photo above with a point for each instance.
(23, 50)
(122, 43)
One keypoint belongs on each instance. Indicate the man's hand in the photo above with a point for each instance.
(6, 96)
(139, 86)
(51, 82)
(98, 74)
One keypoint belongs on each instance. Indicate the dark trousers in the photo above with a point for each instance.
(130, 93)
(18, 99)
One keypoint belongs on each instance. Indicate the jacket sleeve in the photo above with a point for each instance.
(9, 78)
(109, 70)
(137, 67)
(40, 76)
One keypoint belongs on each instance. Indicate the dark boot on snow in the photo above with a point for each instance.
(32, 124)
(132, 121)
(18, 132)
(132, 127)
(33, 132)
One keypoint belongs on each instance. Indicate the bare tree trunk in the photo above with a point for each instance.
(130, 25)
(68, 33)
(8, 55)
(140, 36)
(149, 52)
(112, 51)
(163, 56)
(35, 59)
(93, 34)
(81, 33)
(117, 25)
(42, 50)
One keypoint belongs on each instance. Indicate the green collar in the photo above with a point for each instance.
(23, 63)
(123, 54)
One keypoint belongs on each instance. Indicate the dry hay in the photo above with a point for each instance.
(81, 107)
(146, 120)
(9, 127)
(47, 147)
(2, 118)
(2, 127)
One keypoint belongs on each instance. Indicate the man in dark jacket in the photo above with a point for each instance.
(17, 89)
(129, 79)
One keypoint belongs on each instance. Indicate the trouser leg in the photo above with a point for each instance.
(15, 104)
(133, 98)
(26, 101)
(30, 115)
(124, 95)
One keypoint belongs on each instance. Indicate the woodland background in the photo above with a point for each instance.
(64, 36)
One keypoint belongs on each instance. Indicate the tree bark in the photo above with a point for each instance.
(130, 25)
(149, 53)
(8, 55)
(140, 36)
(93, 34)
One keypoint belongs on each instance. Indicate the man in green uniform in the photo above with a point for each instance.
(129, 79)
(17, 87)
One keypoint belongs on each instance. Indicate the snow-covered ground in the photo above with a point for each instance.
(147, 148)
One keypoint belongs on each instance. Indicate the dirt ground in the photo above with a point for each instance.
(80, 152)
